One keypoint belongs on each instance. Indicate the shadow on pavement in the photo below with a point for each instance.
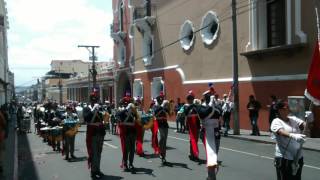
(26, 162)
(172, 164)
(108, 177)
(144, 171)
(170, 148)
(151, 156)
(79, 159)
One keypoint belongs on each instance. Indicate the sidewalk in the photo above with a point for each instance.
(312, 144)
(9, 152)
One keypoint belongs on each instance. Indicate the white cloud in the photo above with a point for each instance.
(53, 29)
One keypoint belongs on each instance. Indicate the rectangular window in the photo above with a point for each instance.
(139, 13)
(137, 88)
(276, 23)
(148, 7)
(2, 19)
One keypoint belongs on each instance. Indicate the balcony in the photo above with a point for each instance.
(116, 34)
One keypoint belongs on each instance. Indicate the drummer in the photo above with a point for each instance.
(140, 129)
(69, 128)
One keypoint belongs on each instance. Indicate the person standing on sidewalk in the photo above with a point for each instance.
(273, 110)
(226, 113)
(3, 124)
(254, 106)
(289, 140)
(178, 119)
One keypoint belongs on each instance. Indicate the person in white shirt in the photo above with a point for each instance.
(226, 113)
(287, 131)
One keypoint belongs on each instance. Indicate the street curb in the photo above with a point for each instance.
(266, 142)
(15, 166)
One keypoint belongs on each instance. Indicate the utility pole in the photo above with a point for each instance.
(236, 128)
(93, 58)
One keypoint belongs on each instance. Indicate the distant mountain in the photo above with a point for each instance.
(21, 88)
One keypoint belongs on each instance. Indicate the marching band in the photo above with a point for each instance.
(59, 125)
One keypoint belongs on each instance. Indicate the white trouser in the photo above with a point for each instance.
(211, 153)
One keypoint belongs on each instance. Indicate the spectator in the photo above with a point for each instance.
(178, 117)
(273, 110)
(288, 156)
(3, 124)
(254, 106)
(226, 113)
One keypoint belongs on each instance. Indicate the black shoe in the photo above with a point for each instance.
(191, 157)
(73, 156)
(132, 169)
(163, 161)
(67, 158)
(96, 175)
(100, 174)
(125, 168)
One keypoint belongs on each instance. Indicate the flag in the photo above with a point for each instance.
(313, 82)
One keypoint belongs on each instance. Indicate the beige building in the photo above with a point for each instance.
(184, 45)
(79, 87)
(4, 68)
(60, 71)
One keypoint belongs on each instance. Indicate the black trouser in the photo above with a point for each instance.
(163, 141)
(254, 124)
(130, 141)
(284, 169)
(226, 122)
(177, 123)
(69, 145)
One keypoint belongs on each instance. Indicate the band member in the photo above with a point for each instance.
(210, 126)
(210, 100)
(95, 135)
(154, 131)
(140, 129)
(193, 123)
(161, 112)
(128, 133)
(70, 128)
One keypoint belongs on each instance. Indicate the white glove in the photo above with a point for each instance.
(96, 107)
(301, 138)
(212, 103)
(130, 105)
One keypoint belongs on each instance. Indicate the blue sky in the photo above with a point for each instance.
(45, 30)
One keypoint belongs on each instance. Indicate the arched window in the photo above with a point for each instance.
(137, 88)
(147, 48)
(157, 85)
(121, 14)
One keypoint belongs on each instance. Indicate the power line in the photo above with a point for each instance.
(222, 20)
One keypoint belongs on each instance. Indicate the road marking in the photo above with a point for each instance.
(110, 145)
(247, 153)
(178, 138)
(312, 167)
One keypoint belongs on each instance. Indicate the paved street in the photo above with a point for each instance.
(240, 160)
